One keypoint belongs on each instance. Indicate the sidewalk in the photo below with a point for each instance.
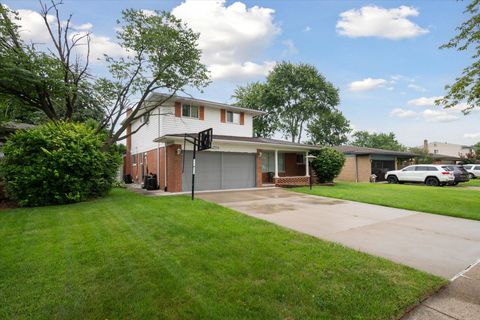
(459, 300)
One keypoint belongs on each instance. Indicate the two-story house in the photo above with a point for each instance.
(236, 160)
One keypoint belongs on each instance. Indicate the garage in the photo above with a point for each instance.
(380, 167)
(220, 170)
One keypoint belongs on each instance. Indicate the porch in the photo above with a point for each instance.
(284, 168)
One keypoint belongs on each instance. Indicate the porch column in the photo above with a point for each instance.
(307, 168)
(276, 163)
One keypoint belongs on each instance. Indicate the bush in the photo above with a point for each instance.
(327, 164)
(57, 163)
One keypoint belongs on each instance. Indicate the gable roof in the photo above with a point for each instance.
(365, 151)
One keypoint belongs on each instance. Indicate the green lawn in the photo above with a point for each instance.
(449, 201)
(472, 183)
(129, 256)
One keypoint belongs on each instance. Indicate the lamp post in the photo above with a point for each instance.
(310, 159)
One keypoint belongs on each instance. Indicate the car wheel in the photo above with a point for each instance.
(392, 179)
(454, 184)
(432, 182)
(471, 176)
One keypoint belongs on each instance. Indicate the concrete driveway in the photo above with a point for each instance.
(437, 244)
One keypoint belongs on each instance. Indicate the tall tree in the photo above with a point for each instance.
(161, 53)
(329, 129)
(293, 96)
(48, 80)
(466, 88)
(386, 141)
(254, 96)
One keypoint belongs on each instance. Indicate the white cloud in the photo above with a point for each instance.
(32, 26)
(424, 101)
(33, 29)
(240, 71)
(366, 84)
(290, 48)
(231, 37)
(83, 27)
(403, 113)
(438, 116)
(307, 29)
(475, 135)
(373, 21)
(416, 87)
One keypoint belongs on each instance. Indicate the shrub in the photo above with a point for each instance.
(57, 163)
(327, 164)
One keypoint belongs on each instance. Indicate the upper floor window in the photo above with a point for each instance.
(435, 151)
(189, 111)
(233, 117)
(145, 118)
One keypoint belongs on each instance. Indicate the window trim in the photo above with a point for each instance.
(190, 111)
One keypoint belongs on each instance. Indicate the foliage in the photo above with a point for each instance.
(57, 163)
(327, 164)
(423, 157)
(128, 256)
(470, 158)
(54, 81)
(159, 53)
(467, 86)
(293, 96)
(163, 54)
(386, 141)
(254, 96)
(330, 129)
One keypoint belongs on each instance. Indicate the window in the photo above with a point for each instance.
(189, 111)
(233, 117)
(145, 118)
(468, 167)
(134, 160)
(476, 168)
(435, 151)
(300, 158)
(268, 162)
(425, 168)
(409, 169)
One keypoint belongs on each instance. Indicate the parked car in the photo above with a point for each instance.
(461, 175)
(431, 175)
(473, 170)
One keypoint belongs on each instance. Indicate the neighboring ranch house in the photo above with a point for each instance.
(362, 162)
(236, 160)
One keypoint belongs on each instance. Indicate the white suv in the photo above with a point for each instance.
(430, 174)
(473, 170)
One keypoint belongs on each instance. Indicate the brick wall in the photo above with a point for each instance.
(259, 175)
(174, 168)
(349, 172)
(291, 166)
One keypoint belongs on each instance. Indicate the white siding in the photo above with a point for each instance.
(143, 140)
(176, 125)
(169, 124)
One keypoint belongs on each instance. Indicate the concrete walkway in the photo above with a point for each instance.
(440, 245)
(459, 300)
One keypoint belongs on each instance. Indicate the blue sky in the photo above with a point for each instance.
(382, 55)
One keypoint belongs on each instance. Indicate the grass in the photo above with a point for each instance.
(449, 201)
(472, 183)
(129, 256)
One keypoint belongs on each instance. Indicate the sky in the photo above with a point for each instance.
(383, 56)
